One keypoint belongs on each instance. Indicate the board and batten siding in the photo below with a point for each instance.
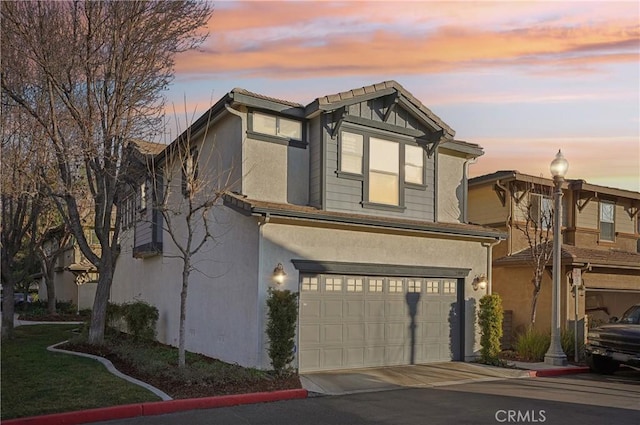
(315, 162)
(347, 194)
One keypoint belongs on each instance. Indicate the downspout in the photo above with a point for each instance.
(489, 247)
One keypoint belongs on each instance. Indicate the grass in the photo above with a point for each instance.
(36, 381)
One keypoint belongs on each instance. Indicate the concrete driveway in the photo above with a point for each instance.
(349, 381)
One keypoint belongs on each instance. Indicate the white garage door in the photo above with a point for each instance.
(353, 321)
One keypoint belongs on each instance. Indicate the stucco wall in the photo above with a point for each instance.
(283, 242)
(451, 192)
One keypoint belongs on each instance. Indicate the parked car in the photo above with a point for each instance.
(609, 346)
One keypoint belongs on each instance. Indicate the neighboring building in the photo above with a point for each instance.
(600, 237)
(360, 196)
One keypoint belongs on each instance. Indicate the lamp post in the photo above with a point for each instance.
(555, 356)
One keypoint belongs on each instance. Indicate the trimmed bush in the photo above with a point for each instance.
(281, 327)
(568, 344)
(141, 319)
(490, 318)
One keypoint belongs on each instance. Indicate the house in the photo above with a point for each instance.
(359, 197)
(600, 246)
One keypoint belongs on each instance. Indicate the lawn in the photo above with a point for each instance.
(36, 381)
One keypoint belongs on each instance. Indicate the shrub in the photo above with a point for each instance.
(140, 318)
(281, 327)
(490, 318)
(532, 345)
(568, 343)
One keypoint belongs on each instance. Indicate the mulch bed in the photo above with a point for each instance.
(180, 389)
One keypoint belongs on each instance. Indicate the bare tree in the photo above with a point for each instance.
(19, 207)
(537, 214)
(187, 184)
(91, 75)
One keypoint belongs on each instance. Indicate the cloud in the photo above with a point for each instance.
(303, 40)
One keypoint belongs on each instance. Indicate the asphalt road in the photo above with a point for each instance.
(584, 399)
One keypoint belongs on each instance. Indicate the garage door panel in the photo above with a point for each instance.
(366, 322)
(332, 334)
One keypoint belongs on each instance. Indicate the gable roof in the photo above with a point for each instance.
(385, 88)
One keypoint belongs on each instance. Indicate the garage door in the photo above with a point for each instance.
(360, 321)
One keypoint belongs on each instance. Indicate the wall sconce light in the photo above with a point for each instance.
(279, 274)
(479, 283)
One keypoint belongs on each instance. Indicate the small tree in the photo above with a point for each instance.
(281, 327)
(537, 227)
(490, 319)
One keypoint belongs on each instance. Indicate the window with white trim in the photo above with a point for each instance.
(354, 284)
(375, 285)
(384, 172)
(413, 164)
(607, 221)
(351, 152)
(309, 284)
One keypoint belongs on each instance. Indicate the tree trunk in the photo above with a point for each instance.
(7, 309)
(534, 305)
(51, 288)
(182, 361)
(99, 312)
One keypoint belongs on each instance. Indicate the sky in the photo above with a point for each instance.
(522, 79)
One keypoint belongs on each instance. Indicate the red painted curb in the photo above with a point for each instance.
(155, 408)
(557, 372)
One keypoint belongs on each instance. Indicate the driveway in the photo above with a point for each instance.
(351, 381)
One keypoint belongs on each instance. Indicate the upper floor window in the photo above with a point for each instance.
(541, 211)
(413, 164)
(351, 152)
(143, 195)
(607, 221)
(384, 171)
(277, 126)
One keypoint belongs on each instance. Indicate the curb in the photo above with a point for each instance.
(156, 408)
(558, 372)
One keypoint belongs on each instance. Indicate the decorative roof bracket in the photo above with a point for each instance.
(431, 144)
(338, 117)
(584, 202)
(390, 103)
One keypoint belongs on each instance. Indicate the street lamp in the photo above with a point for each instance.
(555, 356)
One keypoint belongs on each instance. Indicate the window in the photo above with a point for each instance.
(413, 164)
(449, 287)
(309, 284)
(351, 152)
(375, 285)
(128, 211)
(333, 284)
(190, 172)
(395, 286)
(542, 211)
(414, 285)
(384, 173)
(277, 126)
(433, 287)
(607, 221)
(143, 196)
(354, 284)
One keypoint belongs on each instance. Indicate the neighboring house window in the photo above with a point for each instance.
(190, 172)
(413, 164)
(542, 211)
(351, 151)
(128, 211)
(277, 126)
(607, 221)
(143, 196)
(384, 172)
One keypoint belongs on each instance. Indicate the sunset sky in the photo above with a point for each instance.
(521, 78)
